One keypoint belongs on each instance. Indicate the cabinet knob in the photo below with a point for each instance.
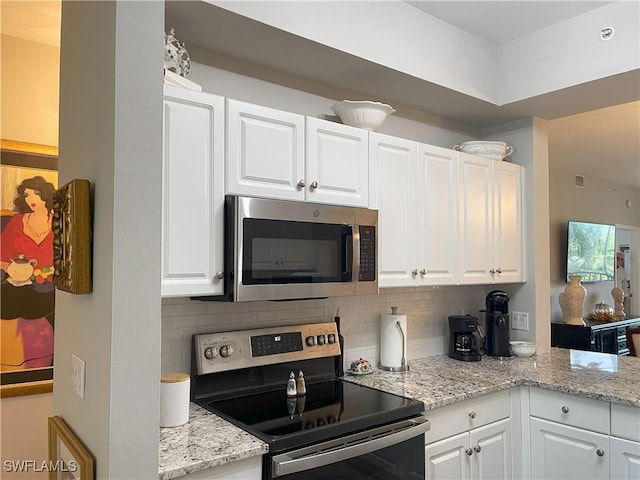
(423, 271)
(313, 185)
(565, 409)
(600, 452)
(477, 448)
(219, 275)
(414, 272)
(492, 271)
(499, 270)
(472, 414)
(302, 184)
(468, 451)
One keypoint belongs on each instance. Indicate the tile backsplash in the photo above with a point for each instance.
(427, 309)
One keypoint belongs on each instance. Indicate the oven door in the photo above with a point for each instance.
(390, 452)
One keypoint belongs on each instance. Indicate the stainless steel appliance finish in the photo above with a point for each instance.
(337, 429)
(282, 250)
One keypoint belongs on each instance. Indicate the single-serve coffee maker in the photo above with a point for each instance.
(498, 325)
(464, 341)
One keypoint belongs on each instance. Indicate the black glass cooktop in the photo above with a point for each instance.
(329, 409)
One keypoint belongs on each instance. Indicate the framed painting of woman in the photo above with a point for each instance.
(28, 180)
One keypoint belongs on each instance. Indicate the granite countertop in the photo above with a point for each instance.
(207, 441)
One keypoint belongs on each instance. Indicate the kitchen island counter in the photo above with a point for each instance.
(207, 441)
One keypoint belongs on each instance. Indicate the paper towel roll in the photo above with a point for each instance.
(174, 399)
(392, 340)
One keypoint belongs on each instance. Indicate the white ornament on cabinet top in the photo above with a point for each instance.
(177, 63)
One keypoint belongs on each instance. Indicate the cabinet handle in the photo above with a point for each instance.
(423, 271)
(600, 452)
(219, 275)
(492, 271)
(414, 272)
(472, 414)
(499, 270)
(468, 451)
(477, 448)
(313, 185)
(565, 409)
(302, 184)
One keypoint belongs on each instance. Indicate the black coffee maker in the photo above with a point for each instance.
(498, 326)
(464, 341)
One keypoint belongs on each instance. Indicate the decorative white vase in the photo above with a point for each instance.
(618, 301)
(572, 301)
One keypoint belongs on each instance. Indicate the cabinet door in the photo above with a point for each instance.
(265, 151)
(436, 221)
(492, 454)
(475, 232)
(192, 193)
(563, 452)
(448, 459)
(393, 194)
(624, 459)
(337, 166)
(508, 225)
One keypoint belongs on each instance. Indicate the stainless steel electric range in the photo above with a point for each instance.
(336, 429)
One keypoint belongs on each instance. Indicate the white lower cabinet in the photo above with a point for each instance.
(247, 469)
(573, 437)
(471, 440)
(484, 452)
(563, 452)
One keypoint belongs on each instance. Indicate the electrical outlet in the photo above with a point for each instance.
(520, 321)
(78, 372)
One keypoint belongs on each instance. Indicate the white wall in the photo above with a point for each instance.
(110, 134)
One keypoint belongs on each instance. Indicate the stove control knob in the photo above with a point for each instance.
(321, 339)
(310, 341)
(210, 353)
(331, 338)
(226, 351)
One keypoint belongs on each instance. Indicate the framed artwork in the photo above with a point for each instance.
(68, 459)
(28, 179)
(72, 237)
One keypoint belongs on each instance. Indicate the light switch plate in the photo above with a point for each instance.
(78, 372)
(520, 321)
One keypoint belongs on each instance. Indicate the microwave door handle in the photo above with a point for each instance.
(356, 252)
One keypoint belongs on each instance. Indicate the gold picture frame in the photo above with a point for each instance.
(71, 226)
(68, 459)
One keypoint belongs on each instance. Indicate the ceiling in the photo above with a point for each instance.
(602, 143)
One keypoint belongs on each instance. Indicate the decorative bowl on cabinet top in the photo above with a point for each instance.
(495, 150)
(362, 114)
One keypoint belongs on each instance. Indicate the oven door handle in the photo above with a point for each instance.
(347, 447)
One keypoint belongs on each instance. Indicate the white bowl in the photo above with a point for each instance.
(522, 349)
(488, 149)
(362, 114)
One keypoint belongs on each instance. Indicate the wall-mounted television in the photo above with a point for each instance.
(591, 251)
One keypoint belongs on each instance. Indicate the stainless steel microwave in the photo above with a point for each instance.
(285, 250)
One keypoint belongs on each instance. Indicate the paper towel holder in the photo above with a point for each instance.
(404, 366)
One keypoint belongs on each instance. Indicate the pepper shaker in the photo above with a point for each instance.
(300, 384)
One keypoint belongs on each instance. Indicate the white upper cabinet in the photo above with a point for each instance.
(192, 193)
(337, 166)
(265, 152)
(267, 157)
(490, 221)
(393, 194)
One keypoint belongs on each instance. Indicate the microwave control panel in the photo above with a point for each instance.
(368, 268)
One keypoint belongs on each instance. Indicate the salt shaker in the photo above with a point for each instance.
(291, 385)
